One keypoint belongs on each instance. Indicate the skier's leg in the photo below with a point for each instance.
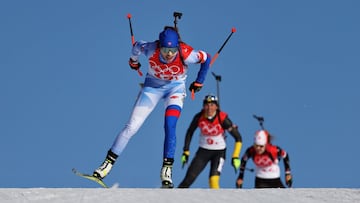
(217, 163)
(144, 105)
(173, 103)
(172, 114)
(196, 166)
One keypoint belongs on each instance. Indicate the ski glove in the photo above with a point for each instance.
(239, 183)
(195, 86)
(288, 180)
(235, 162)
(135, 65)
(185, 158)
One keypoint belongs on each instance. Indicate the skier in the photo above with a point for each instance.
(212, 147)
(168, 58)
(266, 159)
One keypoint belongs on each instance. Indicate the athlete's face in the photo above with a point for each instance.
(260, 149)
(168, 53)
(210, 109)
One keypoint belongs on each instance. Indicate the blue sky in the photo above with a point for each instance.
(66, 88)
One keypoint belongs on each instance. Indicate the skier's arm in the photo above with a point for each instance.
(142, 47)
(190, 131)
(228, 125)
(244, 160)
(204, 67)
(196, 57)
(240, 179)
(283, 154)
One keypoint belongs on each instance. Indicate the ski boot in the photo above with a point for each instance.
(106, 166)
(166, 173)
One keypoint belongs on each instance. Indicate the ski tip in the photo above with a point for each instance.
(74, 170)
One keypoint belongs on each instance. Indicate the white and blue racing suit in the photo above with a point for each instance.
(163, 81)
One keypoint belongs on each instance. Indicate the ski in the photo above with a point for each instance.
(90, 177)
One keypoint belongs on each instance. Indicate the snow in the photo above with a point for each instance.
(135, 195)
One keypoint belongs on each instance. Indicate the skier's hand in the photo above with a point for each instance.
(135, 65)
(195, 86)
(239, 183)
(288, 180)
(235, 162)
(185, 158)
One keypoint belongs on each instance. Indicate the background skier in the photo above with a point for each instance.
(266, 159)
(212, 147)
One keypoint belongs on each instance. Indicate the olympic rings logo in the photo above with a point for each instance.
(210, 130)
(165, 71)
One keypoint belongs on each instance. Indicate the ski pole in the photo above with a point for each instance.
(133, 38)
(216, 55)
(218, 80)
(261, 121)
(218, 52)
(250, 169)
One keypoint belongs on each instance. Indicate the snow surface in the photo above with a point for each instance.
(136, 195)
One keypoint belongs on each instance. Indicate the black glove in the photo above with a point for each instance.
(135, 65)
(195, 86)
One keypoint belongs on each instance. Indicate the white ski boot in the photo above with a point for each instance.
(106, 166)
(166, 174)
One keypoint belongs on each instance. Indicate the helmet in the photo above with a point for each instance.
(210, 99)
(261, 137)
(169, 38)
